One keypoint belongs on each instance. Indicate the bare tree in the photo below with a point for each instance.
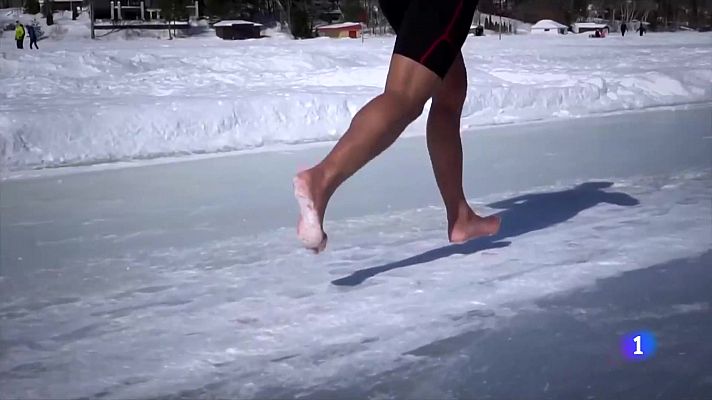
(628, 10)
(646, 7)
(599, 8)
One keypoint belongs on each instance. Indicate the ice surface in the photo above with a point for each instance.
(83, 102)
(186, 279)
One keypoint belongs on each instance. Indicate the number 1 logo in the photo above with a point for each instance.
(638, 345)
(638, 351)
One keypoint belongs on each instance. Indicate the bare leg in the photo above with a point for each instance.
(445, 148)
(374, 128)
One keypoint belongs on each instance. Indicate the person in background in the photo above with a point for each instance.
(641, 29)
(624, 29)
(33, 36)
(19, 34)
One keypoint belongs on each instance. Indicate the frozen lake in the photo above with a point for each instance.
(185, 279)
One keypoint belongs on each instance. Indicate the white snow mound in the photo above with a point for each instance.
(80, 101)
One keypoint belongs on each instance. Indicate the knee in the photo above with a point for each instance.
(413, 110)
(450, 101)
(410, 107)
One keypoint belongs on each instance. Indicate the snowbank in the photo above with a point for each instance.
(81, 102)
(548, 24)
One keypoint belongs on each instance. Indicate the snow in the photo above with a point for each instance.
(548, 24)
(185, 280)
(78, 101)
(341, 25)
(590, 25)
(235, 22)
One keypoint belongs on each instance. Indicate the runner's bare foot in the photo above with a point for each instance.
(469, 226)
(309, 227)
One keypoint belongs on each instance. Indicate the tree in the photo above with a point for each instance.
(262, 11)
(301, 19)
(353, 10)
(173, 10)
(48, 12)
(222, 8)
(579, 9)
(667, 11)
(488, 6)
(646, 7)
(32, 7)
(535, 10)
(628, 10)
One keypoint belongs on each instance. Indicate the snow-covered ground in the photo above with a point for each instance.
(78, 101)
(185, 280)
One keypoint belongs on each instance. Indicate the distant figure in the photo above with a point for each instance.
(19, 34)
(33, 36)
(624, 29)
(641, 29)
(597, 34)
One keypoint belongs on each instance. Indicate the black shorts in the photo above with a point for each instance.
(430, 32)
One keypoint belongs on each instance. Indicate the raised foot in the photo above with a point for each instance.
(309, 229)
(473, 226)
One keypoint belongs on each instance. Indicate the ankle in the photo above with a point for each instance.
(458, 211)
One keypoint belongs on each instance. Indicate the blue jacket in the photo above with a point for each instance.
(31, 32)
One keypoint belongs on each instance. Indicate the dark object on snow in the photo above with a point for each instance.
(33, 36)
(49, 12)
(237, 29)
(480, 30)
(642, 29)
(599, 33)
(624, 29)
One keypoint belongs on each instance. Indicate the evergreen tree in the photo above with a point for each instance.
(32, 7)
(353, 10)
(301, 19)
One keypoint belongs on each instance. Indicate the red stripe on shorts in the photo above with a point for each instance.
(445, 36)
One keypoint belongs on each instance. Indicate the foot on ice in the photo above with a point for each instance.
(469, 225)
(309, 229)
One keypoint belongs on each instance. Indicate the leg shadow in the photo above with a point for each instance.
(520, 215)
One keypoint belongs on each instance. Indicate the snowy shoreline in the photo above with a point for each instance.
(81, 102)
(63, 170)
